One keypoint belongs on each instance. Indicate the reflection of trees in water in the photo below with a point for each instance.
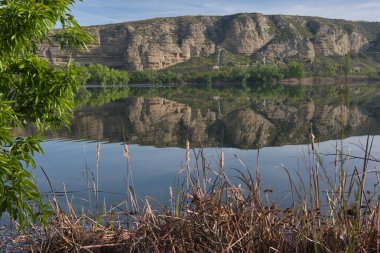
(229, 122)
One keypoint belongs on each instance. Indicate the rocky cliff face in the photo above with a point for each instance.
(159, 43)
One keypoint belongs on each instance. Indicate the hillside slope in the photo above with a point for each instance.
(162, 42)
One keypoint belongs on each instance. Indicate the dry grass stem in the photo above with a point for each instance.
(212, 214)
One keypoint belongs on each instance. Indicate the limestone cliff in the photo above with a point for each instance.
(163, 42)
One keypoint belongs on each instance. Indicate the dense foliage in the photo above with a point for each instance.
(96, 74)
(31, 90)
(97, 97)
(255, 75)
(346, 65)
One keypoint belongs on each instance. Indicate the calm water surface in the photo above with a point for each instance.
(156, 130)
(155, 169)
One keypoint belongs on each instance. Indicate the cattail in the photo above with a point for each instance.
(98, 152)
(187, 151)
(97, 173)
(336, 155)
(239, 193)
(221, 159)
(312, 138)
(171, 192)
(126, 151)
(378, 214)
(149, 214)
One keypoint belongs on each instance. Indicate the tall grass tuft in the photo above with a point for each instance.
(131, 201)
(212, 214)
(97, 174)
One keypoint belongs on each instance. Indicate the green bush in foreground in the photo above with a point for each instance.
(31, 90)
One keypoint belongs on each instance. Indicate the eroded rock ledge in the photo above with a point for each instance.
(163, 42)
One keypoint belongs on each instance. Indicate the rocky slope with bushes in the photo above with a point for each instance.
(163, 42)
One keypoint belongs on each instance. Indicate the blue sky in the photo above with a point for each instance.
(94, 12)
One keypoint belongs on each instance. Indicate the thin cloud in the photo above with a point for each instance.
(368, 5)
(93, 12)
(335, 10)
(86, 19)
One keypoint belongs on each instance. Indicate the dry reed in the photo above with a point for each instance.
(215, 215)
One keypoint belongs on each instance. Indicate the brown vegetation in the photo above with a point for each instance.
(209, 213)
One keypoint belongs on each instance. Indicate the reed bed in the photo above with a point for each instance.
(207, 212)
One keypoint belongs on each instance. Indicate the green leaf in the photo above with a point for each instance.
(31, 90)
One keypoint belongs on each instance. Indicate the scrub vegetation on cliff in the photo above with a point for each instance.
(99, 75)
(257, 75)
(253, 76)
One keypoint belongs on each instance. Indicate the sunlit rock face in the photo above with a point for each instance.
(163, 42)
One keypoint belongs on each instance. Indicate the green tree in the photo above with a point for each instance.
(346, 65)
(105, 76)
(145, 76)
(330, 69)
(295, 69)
(31, 90)
(83, 75)
(241, 75)
(264, 74)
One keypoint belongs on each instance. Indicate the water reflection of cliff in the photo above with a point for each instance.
(163, 122)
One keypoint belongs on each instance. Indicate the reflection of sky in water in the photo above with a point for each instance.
(154, 169)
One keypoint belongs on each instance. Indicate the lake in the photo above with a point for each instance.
(268, 132)
(155, 169)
